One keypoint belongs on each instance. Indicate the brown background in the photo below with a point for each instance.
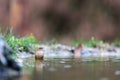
(64, 20)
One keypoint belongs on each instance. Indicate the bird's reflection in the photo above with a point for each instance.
(38, 70)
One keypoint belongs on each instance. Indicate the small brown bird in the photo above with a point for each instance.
(39, 54)
(77, 51)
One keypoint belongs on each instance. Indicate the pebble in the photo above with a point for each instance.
(67, 66)
(62, 62)
(20, 62)
(104, 78)
(117, 73)
(25, 55)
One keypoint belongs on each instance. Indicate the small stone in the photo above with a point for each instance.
(62, 62)
(117, 73)
(20, 62)
(67, 66)
(104, 78)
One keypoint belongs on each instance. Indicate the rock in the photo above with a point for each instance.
(117, 72)
(5, 60)
(24, 55)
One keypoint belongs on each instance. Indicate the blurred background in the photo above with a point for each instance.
(64, 20)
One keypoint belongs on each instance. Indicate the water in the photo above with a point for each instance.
(69, 69)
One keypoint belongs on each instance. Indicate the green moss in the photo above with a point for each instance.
(93, 42)
(90, 43)
(116, 42)
(19, 43)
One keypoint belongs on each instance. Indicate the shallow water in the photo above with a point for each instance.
(69, 69)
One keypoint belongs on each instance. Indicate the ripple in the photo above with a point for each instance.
(63, 62)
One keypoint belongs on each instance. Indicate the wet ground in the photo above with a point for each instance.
(69, 69)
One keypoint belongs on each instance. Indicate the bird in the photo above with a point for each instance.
(77, 51)
(5, 60)
(39, 54)
(80, 52)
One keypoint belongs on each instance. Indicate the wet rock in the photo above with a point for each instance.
(62, 62)
(24, 55)
(5, 60)
(104, 78)
(67, 66)
(8, 74)
(117, 73)
(20, 62)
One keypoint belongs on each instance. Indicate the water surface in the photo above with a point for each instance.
(70, 69)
